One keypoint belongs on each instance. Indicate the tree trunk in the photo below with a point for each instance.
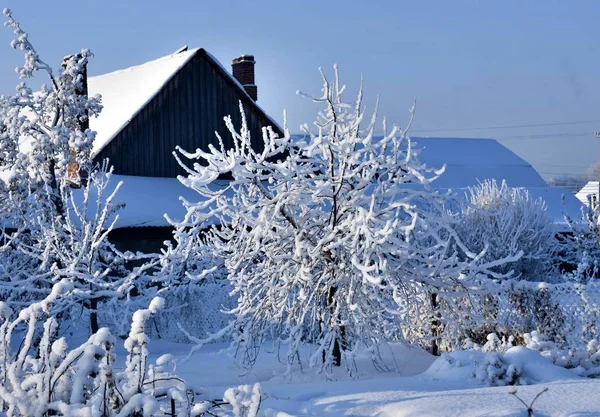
(337, 348)
(53, 184)
(94, 315)
(339, 341)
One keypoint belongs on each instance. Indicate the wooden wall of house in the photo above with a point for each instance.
(185, 113)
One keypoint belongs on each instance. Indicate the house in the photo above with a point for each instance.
(590, 189)
(470, 161)
(178, 100)
(149, 110)
(181, 99)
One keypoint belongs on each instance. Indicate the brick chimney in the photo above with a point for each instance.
(243, 71)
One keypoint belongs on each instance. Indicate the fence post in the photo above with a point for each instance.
(435, 324)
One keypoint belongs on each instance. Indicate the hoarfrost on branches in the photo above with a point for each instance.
(335, 238)
(510, 223)
(42, 132)
(56, 210)
(48, 378)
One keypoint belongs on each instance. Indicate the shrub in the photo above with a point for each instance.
(42, 376)
(580, 247)
(508, 222)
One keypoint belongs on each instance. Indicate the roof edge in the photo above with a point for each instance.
(192, 53)
(217, 64)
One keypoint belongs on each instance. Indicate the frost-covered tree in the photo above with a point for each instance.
(332, 238)
(509, 221)
(43, 132)
(56, 208)
(74, 247)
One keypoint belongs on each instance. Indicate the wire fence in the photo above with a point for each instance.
(566, 313)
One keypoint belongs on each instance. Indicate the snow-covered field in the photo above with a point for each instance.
(420, 389)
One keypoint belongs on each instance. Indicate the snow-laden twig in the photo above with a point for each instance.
(334, 238)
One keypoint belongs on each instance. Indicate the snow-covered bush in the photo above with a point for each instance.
(492, 371)
(40, 375)
(539, 342)
(517, 365)
(44, 377)
(580, 247)
(487, 368)
(493, 344)
(584, 360)
(334, 239)
(508, 221)
(245, 400)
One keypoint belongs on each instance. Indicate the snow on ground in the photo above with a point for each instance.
(419, 390)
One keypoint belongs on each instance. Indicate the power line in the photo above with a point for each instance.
(508, 127)
(554, 173)
(543, 136)
(548, 136)
(564, 166)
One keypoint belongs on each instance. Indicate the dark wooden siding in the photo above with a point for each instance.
(185, 113)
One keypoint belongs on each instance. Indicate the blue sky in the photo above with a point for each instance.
(468, 63)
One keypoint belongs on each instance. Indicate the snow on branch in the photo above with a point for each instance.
(48, 378)
(335, 238)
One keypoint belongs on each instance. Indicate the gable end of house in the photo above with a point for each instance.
(185, 112)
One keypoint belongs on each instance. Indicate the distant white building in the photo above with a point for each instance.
(469, 161)
(590, 189)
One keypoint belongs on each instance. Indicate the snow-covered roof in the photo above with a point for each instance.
(469, 161)
(126, 92)
(591, 188)
(559, 201)
(147, 199)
